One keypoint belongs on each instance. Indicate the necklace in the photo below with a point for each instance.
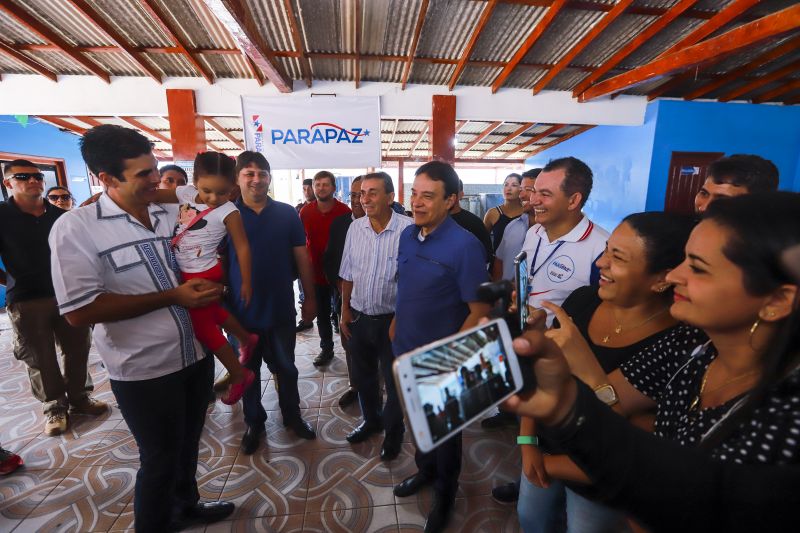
(696, 401)
(618, 328)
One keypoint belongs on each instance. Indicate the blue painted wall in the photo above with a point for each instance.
(771, 131)
(38, 138)
(620, 158)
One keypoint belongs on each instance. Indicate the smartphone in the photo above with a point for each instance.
(521, 286)
(448, 384)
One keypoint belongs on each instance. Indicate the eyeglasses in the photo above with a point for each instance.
(58, 197)
(25, 176)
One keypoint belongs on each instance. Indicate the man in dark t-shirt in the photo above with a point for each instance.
(470, 222)
(25, 223)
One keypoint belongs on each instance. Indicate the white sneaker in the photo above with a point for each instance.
(56, 424)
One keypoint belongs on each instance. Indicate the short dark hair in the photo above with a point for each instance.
(664, 236)
(246, 158)
(214, 164)
(441, 171)
(388, 186)
(460, 185)
(176, 168)
(308, 181)
(105, 147)
(531, 173)
(577, 176)
(326, 174)
(17, 163)
(752, 172)
(56, 188)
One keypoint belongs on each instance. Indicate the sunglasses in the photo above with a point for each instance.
(58, 197)
(25, 176)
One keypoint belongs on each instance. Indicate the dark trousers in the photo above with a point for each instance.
(370, 348)
(324, 327)
(166, 417)
(276, 348)
(337, 308)
(443, 465)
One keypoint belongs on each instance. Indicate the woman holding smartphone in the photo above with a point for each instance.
(628, 312)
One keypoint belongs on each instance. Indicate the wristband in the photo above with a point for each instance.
(528, 439)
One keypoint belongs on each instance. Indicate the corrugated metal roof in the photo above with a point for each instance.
(66, 21)
(676, 30)
(13, 32)
(618, 34)
(273, 23)
(479, 76)
(57, 61)
(10, 66)
(218, 34)
(569, 26)
(291, 65)
(430, 73)
(391, 71)
(388, 26)
(320, 25)
(567, 79)
(524, 78)
(131, 20)
(173, 64)
(765, 7)
(118, 64)
(496, 42)
(448, 26)
(332, 69)
(662, 4)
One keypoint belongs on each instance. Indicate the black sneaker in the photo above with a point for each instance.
(506, 494)
(324, 358)
(303, 326)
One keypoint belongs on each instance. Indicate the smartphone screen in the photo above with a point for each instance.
(521, 286)
(448, 385)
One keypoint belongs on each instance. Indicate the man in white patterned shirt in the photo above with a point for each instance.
(369, 295)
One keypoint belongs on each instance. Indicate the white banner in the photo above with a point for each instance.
(316, 132)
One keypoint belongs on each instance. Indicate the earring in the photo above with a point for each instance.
(754, 327)
(662, 289)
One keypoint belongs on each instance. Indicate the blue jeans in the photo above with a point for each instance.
(276, 348)
(543, 511)
(166, 417)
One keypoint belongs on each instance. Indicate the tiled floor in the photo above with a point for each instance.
(83, 480)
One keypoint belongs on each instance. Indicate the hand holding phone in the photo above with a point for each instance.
(521, 288)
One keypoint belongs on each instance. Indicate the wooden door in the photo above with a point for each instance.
(687, 172)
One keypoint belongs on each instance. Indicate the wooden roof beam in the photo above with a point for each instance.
(539, 136)
(589, 5)
(648, 33)
(473, 40)
(784, 88)
(305, 65)
(531, 40)
(391, 139)
(392, 159)
(96, 19)
(737, 74)
(746, 36)
(357, 30)
(224, 132)
(146, 129)
(59, 122)
(775, 75)
(93, 122)
(32, 24)
(419, 139)
(510, 137)
(481, 136)
(423, 10)
(238, 19)
(561, 139)
(19, 57)
(596, 30)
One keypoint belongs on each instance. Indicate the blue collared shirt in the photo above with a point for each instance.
(437, 278)
(273, 234)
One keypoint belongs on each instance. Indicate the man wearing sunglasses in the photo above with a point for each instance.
(25, 223)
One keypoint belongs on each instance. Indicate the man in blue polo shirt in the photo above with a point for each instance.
(278, 246)
(440, 266)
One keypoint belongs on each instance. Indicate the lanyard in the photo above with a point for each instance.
(536, 254)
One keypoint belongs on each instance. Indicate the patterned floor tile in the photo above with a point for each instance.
(310, 391)
(281, 439)
(480, 514)
(67, 450)
(333, 387)
(222, 434)
(334, 425)
(264, 524)
(21, 492)
(382, 519)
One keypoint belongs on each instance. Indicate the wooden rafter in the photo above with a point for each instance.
(59, 122)
(775, 75)
(423, 10)
(96, 19)
(784, 88)
(419, 139)
(146, 129)
(738, 73)
(27, 61)
(596, 30)
(510, 137)
(590, 5)
(481, 136)
(254, 70)
(224, 132)
(532, 39)
(93, 122)
(649, 32)
(670, 84)
(539, 136)
(305, 65)
(391, 139)
(473, 40)
(32, 24)
(357, 29)
(396, 159)
(154, 11)
(238, 18)
(741, 38)
(730, 13)
(561, 139)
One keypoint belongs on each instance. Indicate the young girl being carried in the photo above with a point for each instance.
(206, 217)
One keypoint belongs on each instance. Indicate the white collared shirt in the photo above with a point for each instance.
(102, 249)
(511, 244)
(369, 260)
(557, 268)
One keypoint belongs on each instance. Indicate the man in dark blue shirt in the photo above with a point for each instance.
(278, 247)
(440, 266)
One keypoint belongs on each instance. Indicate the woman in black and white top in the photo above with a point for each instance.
(497, 219)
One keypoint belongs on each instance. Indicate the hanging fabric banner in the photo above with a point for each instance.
(317, 132)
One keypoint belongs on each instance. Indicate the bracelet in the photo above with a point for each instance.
(528, 439)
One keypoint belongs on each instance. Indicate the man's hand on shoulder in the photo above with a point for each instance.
(196, 293)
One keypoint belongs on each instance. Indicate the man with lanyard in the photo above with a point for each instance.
(440, 266)
(317, 217)
(563, 245)
(277, 244)
(25, 223)
(369, 294)
(514, 234)
(113, 266)
(332, 260)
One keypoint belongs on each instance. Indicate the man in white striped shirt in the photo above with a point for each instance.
(369, 295)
